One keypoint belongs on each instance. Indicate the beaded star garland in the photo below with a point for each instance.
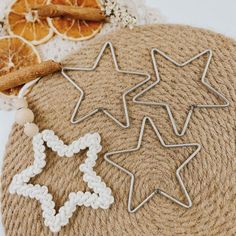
(100, 198)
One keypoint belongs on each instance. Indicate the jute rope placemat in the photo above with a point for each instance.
(210, 178)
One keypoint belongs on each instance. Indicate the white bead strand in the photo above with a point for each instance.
(24, 117)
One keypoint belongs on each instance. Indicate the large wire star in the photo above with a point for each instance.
(92, 68)
(192, 107)
(157, 190)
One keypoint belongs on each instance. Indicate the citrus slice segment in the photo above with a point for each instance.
(15, 53)
(72, 29)
(23, 21)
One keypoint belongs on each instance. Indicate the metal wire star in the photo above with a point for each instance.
(157, 190)
(203, 81)
(95, 65)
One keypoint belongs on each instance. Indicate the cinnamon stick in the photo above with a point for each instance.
(75, 12)
(28, 73)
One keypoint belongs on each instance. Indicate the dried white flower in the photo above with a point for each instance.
(118, 15)
(1, 29)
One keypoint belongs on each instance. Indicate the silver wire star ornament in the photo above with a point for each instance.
(157, 190)
(203, 81)
(92, 68)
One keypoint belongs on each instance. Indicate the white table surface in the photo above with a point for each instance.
(217, 15)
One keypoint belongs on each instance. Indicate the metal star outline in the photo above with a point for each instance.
(203, 81)
(132, 177)
(109, 45)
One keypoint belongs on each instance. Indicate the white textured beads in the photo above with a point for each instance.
(100, 198)
(31, 129)
(24, 117)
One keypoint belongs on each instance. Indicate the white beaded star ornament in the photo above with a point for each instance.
(100, 198)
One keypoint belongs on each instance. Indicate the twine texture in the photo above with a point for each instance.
(210, 178)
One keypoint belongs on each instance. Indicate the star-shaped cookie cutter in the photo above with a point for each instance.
(107, 44)
(161, 192)
(203, 80)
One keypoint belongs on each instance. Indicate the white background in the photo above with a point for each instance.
(217, 15)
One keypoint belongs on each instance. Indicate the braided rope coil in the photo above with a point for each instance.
(210, 178)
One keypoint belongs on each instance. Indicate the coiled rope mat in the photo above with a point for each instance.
(210, 177)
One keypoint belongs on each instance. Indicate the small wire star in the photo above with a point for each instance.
(157, 190)
(192, 107)
(83, 95)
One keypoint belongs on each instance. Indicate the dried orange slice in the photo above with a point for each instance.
(15, 52)
(23, 21)
(75, 29)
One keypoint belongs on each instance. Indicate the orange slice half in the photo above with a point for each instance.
(15, 53)
(72, 29)
(23, 21)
